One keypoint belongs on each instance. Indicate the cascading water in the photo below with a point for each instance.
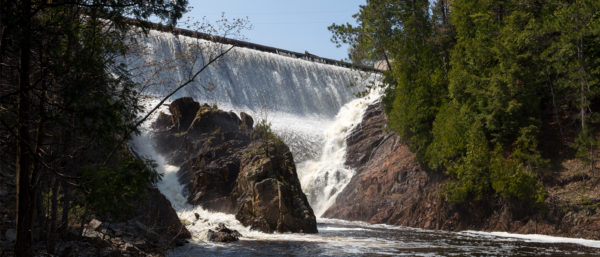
(326, 176)
(312, 107)
(299, 98)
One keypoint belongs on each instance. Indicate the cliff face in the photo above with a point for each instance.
(391, 187)
(226, 166)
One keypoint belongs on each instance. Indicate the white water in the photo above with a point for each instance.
(302, 100)
(537, 238)
(334, 149)
(311, 107)
(245, 78)
(325, 177)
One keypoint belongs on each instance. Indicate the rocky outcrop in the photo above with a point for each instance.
(268, 192)
(391, 187)
(157, 215)
(223, 234)
(227, 166)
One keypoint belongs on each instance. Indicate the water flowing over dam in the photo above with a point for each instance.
(299, 98)
(313, 107)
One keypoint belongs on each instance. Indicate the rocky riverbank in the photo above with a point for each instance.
(230, 165)
(152, 230)
(391, 187)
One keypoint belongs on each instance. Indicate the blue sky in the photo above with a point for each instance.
(298, 25)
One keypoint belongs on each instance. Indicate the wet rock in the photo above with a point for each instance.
(197, 216)
(390, 186)
(247, 120)
(163, 121)
(223, 234)
(223, 168)
(183, 111)
(156, 217)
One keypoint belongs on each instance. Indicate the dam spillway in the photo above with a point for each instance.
(300, 98)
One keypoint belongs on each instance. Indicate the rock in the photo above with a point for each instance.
(183, 111)
(197, 216)
(10, 234)
(140, 226)
(390, 186)
(247, 120)
(223, 234)
(162, 122)
(224, 169)
(157, 218)
(94, 224)
(269, 193)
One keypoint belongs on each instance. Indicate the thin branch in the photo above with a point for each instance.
(190, 80)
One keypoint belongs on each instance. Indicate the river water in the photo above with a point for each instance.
(312, 107)
(343, 238)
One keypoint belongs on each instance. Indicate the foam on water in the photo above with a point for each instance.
(325, 177)
(244, 78)
(539, 238)
(312, 108)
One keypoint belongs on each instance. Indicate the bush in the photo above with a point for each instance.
(112, 188)
(264, 133)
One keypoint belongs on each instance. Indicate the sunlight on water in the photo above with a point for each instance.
(312, 108)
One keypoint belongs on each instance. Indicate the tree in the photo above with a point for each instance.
(573, 61)
(373, 39)
(64, 99)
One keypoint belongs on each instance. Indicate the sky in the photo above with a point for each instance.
(295, 25)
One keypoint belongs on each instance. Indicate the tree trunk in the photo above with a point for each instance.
(582, 87)
(24, 163)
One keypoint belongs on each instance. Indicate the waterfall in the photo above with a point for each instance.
(323, 178)
(311, 106)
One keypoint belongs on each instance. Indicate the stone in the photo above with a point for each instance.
(392, 187)
(157, 219)
(247, 120)
(183, 110)
(223, 234)
(94, 224)
(224, 168)
(163, 121)
(197, 216)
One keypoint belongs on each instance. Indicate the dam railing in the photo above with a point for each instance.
(239, 43)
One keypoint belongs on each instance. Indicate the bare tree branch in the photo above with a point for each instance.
(190, 80)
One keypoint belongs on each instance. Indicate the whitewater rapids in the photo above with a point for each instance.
(313, 107)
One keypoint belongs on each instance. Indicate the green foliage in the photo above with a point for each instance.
(449, 129)
(471, 173)
(474, 82)
(263, 132)
(112, 190)
(511, 179)
(585, 145)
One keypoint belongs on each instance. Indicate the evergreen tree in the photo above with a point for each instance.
(66, 103)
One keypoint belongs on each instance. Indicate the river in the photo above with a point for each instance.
(312, 107)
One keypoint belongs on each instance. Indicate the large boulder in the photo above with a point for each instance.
(156, 213)
(223, 234)
(183, 111)
(226, 166)
(268, 191)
